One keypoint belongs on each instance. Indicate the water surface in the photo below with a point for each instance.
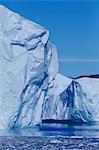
(54, 129)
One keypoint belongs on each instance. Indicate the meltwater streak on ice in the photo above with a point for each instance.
(31, 89)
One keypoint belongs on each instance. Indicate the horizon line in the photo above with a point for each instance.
(78, 60)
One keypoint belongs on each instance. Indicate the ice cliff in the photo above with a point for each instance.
(31, 89)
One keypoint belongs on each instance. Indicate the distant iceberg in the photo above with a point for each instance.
(31, 89)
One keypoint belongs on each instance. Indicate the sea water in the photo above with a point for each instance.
(54, 129)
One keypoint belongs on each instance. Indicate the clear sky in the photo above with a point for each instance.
(74, 28)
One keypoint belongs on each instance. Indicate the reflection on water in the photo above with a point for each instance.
(47, 129)
(91, 130)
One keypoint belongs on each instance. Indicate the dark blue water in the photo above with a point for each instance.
(51, 136)
(47, 129)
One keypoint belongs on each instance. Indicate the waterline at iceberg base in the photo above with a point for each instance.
(31, 88)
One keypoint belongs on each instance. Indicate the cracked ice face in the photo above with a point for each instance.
(26, 68)
(21, 60)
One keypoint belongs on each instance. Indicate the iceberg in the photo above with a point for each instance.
(77, 101)
(27, 58)
(31, 88)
